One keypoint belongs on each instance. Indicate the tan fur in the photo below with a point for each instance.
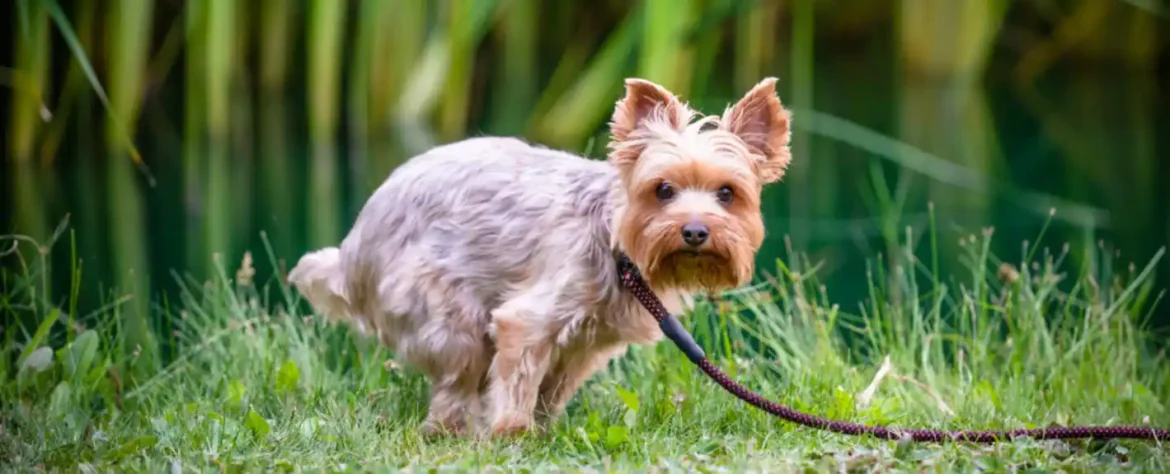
(489, 264)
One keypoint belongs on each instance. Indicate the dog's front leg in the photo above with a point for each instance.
(522, 358)
(564, 381)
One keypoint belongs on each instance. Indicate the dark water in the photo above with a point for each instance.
(1091, 144)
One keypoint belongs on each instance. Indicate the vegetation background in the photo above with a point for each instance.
(151, 145)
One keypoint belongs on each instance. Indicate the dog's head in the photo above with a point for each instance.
(693, 187)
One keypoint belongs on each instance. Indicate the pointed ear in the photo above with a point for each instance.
(646, 107)
(646, 102)
(763, 124)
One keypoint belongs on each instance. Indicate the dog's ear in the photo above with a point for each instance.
(646, 107)
(764, 125)
(646, 103)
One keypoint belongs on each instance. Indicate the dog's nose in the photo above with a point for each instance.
(694, 234)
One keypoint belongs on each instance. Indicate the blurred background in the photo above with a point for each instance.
(147, 136)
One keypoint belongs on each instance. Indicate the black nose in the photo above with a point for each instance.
(694, 234)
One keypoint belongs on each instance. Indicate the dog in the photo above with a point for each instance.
(489, 264)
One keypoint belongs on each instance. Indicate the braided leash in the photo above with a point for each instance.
(633, 281)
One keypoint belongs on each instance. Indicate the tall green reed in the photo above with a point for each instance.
(29, 80)
(326, 21)
(275, 43)
(127, 47)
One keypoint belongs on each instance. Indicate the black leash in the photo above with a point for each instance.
(633, 281)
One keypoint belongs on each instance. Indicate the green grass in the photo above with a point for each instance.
(260, 385)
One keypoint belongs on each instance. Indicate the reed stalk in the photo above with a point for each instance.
(1131, 39)
(1085, 18)
(326, 20)
(665, 53)
(396, 43)
(73, 89)
(75, 128)
(755, 42)
(29, 79)
(970, 141)
(129, 26)
(438, 79)
(276, 36)
(242, 134)
(194, 145)
(801, 97)
(466, 23)
(1128, 39)
(950, 39)
(516, 78)
(571, 64)
(1139, 46)
(706, 50)
(219, 59)
(275, 165)
(26, 119)
(396, 39)
(600, 84)
(358, 92)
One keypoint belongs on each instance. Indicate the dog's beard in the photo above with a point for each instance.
(690, 270)
(725, 261)
(720, 265)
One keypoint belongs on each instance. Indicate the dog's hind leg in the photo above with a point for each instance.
(452, 348)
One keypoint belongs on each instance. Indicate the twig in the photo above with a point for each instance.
(866, 395)
(887, 370)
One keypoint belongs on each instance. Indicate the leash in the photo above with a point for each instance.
(673, 329)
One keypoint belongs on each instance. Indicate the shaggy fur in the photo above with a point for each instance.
(489, 263)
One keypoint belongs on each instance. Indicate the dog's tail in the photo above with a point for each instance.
(319, 276)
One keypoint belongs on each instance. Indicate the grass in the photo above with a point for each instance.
(258, 384)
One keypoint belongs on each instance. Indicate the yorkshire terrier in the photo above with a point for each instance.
(489, 264)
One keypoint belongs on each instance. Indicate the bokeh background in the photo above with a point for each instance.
(147, 136)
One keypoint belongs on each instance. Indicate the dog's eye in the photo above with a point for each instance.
(724, 195)
(665, 191)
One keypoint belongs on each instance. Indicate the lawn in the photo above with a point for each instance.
(260, 384)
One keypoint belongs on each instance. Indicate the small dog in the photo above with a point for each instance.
(490, 264)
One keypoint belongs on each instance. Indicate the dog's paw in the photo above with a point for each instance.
(511, 424)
